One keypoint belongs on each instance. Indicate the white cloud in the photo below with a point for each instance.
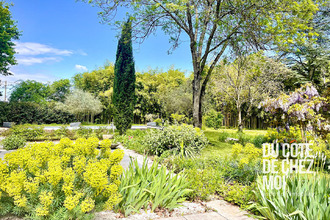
(28, 61)
(81, 68)
(44, 78)
(30, 48)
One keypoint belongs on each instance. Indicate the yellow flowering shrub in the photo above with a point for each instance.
(68, 179)
(247, 154)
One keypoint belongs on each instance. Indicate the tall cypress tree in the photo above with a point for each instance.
(124, 82)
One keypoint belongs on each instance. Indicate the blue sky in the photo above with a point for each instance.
(62, 37)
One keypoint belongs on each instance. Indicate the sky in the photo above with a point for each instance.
(61, 38)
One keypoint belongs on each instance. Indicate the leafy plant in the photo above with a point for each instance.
(184, 140)
(214, 119)
(204, 182)
(13, 142)
(155, 187)
(223, 136)
(237, 193)
(304, 197)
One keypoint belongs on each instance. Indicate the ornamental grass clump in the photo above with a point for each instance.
(304, 197)
(152, 187)
(68, 180)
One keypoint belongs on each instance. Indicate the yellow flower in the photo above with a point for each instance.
(87, 205)
(46, 198)
(71, 201)
(31, 185)
(20, 201)
(42, 211)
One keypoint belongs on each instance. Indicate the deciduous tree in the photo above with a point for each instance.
(8, 33)
(214, 26)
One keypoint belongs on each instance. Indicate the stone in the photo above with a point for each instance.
(107, 136)
(205, 216)
(152, 124)
(75, 124)
(232, 139)
(228, 210)
(115, 145)
(8, 124)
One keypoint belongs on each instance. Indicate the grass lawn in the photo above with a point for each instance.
(217, 148)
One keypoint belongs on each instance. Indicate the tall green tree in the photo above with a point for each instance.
(8, 33)
(310, 60)
(124, 82)
(30, 91)
(216, 26)
(59, 89)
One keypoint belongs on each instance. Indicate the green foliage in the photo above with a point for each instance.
(223, 136)
(33, 113)
(178, 119)
(59, 89)
(214, 119)
(13, 142)
(37, 133)
(99, 82)
(134, 140)
(8, 33)
(184, 140)
(304, 197)
(155, 186)
(237, 193)
(81, 104)
(204, 182)
(158, 121)
(259, 140)
(30, 91)
(124, 82)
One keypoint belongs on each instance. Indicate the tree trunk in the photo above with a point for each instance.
(197, 100)
(239, 121)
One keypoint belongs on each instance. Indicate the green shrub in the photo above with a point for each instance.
(13, 142)
(223, 136)
(244, 138)
(29, 112)
(304, 197)
(237, 193)
(185, 140)
(158, 121)
(214, 119)
(178, 119)
(259, 140)
(203, 182)
(30, 133)
(155, 187)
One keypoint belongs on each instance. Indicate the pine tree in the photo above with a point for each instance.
(124, 82)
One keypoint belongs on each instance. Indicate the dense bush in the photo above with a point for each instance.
(13, 142)
(243, 138)
(155, 187)
(33, 113)
(304, 197)
(214, 119)
(184, 140)
(220, 176)
(60, 181)
(37, 133)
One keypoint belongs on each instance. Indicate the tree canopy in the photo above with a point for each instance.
(30, 91)
(216, 26)
(8, 33)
